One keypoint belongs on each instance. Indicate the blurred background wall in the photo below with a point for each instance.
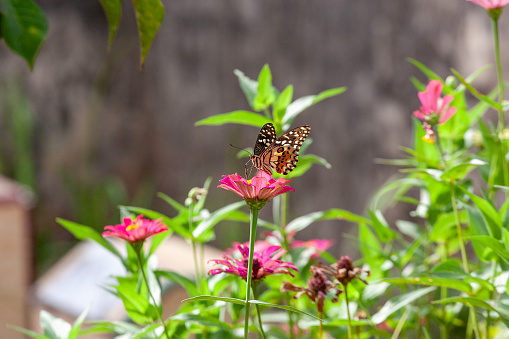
(89, 131)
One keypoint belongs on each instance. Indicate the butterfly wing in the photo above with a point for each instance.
(265, 138)
(283, 154)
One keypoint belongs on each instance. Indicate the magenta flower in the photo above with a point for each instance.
(265, 263)
(434, 109)
(319, 245)
(135, 230)
(259, 246)
(256, 191)
(490, 4)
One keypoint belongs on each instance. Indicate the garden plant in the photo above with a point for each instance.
(441, 272)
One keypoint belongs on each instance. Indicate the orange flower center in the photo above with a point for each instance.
(132, 227)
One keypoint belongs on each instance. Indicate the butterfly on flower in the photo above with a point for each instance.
(279, 154)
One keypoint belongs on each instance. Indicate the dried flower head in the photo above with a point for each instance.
(344, 271)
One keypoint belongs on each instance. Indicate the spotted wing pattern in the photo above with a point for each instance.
(265, 138)
(282, 153)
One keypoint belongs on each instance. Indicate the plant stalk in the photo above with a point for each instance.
(193, 245)
(255, 294)
(348, 312)
(252, 237)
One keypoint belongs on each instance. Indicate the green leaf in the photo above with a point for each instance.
(186, 283)
(300, 223)
(113, 11)
(490, 245)
(460, 171)
(83, 232)
(368, 242)
(459, 285)
(498, 306)
(176, 205)
(475, 93)
(235, 117)
(303, 103)
(284, 307)
(213, 298)
(396, 303)
(381, 227)
(429, 73)
(149, 16)
(490, 214)
(29, 333)
(305, 163)
(215, 217)
(24, 28)
(265, 96)
(282, 102)
(248, 86)
(54, 327)
(158, 239)
(77, 324)
(442, 228)
(138, 307)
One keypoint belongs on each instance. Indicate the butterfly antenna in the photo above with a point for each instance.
(240, 149)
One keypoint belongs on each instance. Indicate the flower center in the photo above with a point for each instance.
(132, 227)
(256, 266)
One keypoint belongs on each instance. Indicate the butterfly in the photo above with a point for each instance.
(279, 154)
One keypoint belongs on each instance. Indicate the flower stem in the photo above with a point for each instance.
(252, 237)
(320, 333)
(348, 312)
(138, 256)
(458, 227)
(501, 117)
(255, 294)
(193, 245)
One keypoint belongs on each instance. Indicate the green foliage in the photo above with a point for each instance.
(23, 28)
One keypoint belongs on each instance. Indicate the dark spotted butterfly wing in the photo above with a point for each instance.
(279, 154)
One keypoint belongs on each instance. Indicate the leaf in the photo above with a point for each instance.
(284, 307)
(459, 285)
(149, 16)
(491, 245)
(498, 306)
(29, 333)
(77, 324)
(235, 117)
(138, 307)
(460, 171)
(83, 232)
(490, 214)
(300, 223)
(186, 283)
(215, 217)
(282, 102)
(303, 103)
(248, 86)
(113, 11)
(396, 303)
(176, 205)
(444, 223)
(475, 93)
(265, 95)
(54, 327)
(213, 298)
(369, 244)
(305, 163)
(429, 73)
(382, 229)
(24, 27)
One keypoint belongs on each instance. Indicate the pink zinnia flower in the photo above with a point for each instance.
(259, 246)
(135, 230)
(319, 245)
(434, 109)
(256, 191)
(490, 4)
(265, 262)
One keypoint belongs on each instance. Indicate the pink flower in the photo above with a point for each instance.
(490, 4)
(135, 230)
(434, 108)
(319, 245)
(265, 262)
(259, 246)
(256, 191)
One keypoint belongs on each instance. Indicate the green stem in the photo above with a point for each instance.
(193, 245)
(282, 220)
(252, 237)
(348, 312)
(150, 293)
(501, 117)
(255, 294)
(475, 323)
(458, 227)
(290, 319)
(320, 333)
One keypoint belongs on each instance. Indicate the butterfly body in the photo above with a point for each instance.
(279, 154)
